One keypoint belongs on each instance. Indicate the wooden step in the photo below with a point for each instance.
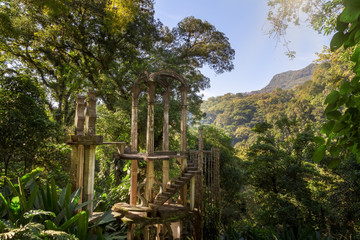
(185, 174)
(175, 185)
(166, 193)
(187, 178)
(153, 205)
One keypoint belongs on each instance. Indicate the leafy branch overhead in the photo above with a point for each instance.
(343, 108)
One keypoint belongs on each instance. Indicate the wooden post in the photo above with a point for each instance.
(79, 115)
(165, 145)
(192, 193)
(130, 231)
(134, 144)
(77, 168)
(150, 176)
(199, 177)
(198, 223)
(217, 175)
(183, 140)
(89, 151)
(77, 153)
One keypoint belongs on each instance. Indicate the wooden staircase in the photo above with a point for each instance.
(185, 177)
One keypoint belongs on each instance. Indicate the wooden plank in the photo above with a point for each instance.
(89, 176)
(84, 140)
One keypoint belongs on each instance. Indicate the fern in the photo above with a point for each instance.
(57, 235)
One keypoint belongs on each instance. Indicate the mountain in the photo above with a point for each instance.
(295, 95)
(288, 80)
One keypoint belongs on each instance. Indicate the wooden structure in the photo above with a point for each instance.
(153, 211)
(83, 145)
(156, 211)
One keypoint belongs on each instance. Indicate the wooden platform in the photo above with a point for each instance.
(145, 215)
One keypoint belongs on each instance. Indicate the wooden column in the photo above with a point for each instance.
(199, 177)
(183, 140)
(165, 145)
(89, 151)
(198, 223)
(192, 193)
(134, 144)
(217, 175)
(150, 175)
(77, 153)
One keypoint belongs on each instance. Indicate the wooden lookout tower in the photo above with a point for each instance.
(156, 216)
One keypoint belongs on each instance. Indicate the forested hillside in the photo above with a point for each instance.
(238, 113)
(289, 154)
(288, 80)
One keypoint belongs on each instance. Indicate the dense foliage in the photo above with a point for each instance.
(270, 141)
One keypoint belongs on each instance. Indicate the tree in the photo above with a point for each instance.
(320, 14)
(24, 124)
(342, 109)
(72, 45)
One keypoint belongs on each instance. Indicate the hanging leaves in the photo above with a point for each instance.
(343, 108)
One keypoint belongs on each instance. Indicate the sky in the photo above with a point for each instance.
(258, 57)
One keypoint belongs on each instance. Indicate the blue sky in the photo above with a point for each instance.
(258, 57)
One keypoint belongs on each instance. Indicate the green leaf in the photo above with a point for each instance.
(50, 225)
(30, 202)
(334, 163)
(356, 55)
(12, 188)
(39, 212)
(337, 41)
(54, 201)
(345, 88)
(331, 107)
(319, 140)
(319, 154)
(332, 97)
(334, 115)
(335, 150)
(350, 14)
(341, 26)
(354, 149)
(327, 127)
(71, 221)
(83, 225)
(29, 178)
(338, 126)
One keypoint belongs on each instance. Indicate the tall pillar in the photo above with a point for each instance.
(165, 145)
(183, 140)
(89, 151)
(150, 175)
(77, 153)
(199, 177)
(134, 144)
